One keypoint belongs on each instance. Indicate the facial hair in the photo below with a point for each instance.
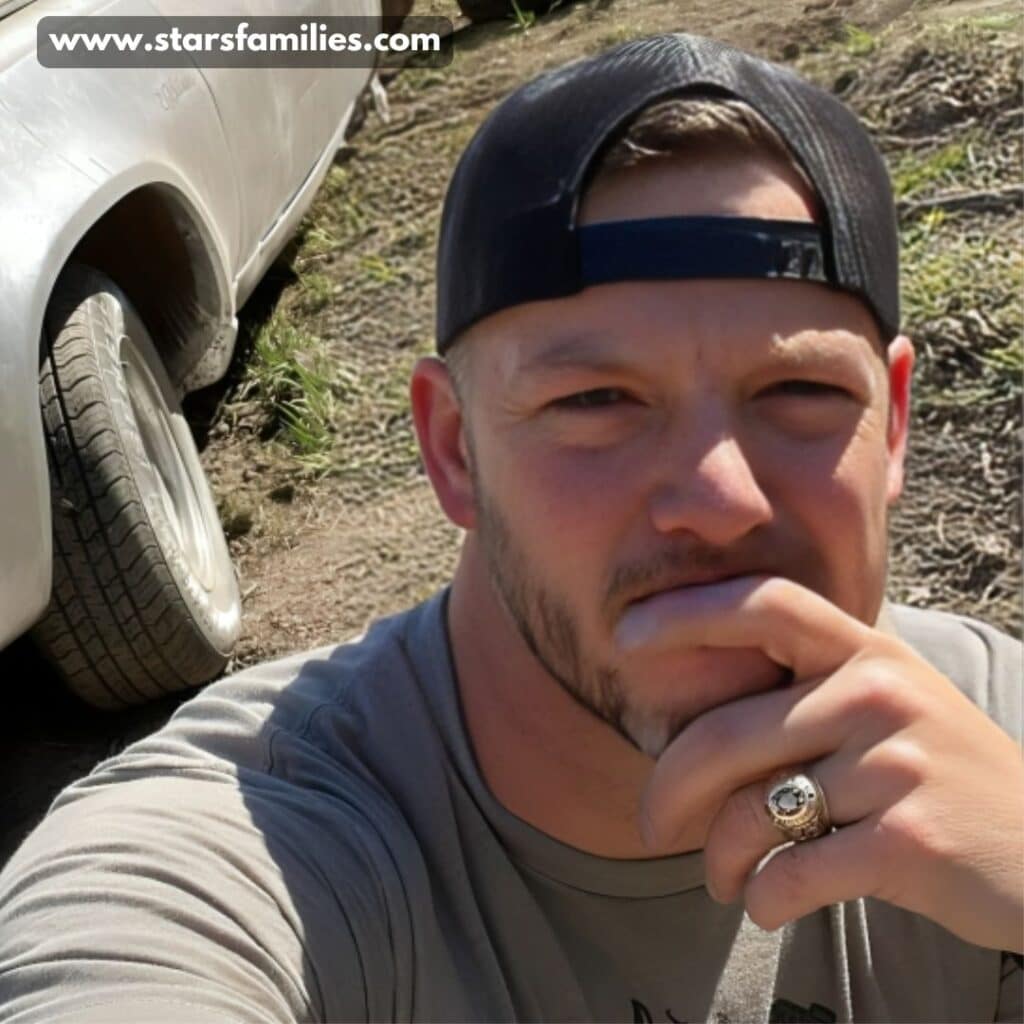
(551, 631)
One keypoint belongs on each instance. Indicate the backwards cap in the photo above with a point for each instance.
(508, 228)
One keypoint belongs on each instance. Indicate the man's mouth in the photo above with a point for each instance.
(695, 578)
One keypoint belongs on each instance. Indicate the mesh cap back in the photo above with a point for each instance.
(508, 232)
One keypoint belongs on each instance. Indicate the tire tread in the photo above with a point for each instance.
(117, 628)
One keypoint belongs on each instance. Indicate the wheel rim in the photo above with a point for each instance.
(176, 489)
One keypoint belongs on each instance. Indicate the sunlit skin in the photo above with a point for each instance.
(745, 438)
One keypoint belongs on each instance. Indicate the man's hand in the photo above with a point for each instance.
(927, 793)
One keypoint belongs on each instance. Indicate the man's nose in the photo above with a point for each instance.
(707, 486)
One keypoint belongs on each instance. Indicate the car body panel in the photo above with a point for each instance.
(73, 144)
(10, 6)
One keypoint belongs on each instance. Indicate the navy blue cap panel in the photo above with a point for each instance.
(508, 231)
(672, 248)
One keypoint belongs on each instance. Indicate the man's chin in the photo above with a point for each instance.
(658, 707)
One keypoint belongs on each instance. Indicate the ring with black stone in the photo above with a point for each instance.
(797, 807)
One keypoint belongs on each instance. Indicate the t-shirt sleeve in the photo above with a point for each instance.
(985, 663)
(184, 896)
(1005, 677)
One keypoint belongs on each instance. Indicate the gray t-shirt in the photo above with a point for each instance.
(311, 840)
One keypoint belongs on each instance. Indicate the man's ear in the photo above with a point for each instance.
(437, 417)
(901, 368)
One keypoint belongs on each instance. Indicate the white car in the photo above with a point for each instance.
(139, 207)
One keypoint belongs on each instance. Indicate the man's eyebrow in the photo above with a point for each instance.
(585, 351)
(820, 348)
(599, 353)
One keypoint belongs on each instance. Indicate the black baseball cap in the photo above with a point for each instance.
(508, 227)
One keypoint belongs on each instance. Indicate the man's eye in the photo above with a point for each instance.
(596, 398)
(805, 389)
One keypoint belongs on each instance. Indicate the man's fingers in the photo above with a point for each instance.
(732, 745)
(792, 625)
(862, 704)
(856, 785)
(807, 876)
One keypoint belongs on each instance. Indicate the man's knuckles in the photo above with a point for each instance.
(898, 766)
(881, 694)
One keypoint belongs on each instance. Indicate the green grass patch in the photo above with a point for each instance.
(288, 375)
(317, 240)
(945, 270)
(917, 172)
(415, 79)
(316, 291)
(1007, 360)
(522, 19)
(1008, 21)
(334, 223)
(346, 420)
(961, 290)
(336, 183)
(858, 42)
(337, 210)
(378, 269)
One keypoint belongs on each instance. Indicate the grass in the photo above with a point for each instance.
(288, 376)
(916, 172)
(962, 298)
(376, 443)
(316, 241)
(316, 289)
(1006, 361)
(1009, 21)
(945, 269)
(337, 214)
(962, 275)
(415, 79)
(324, 378)
(349, 421)
(1000, 21)
(858, 42)
(522, 19)
(378, 269)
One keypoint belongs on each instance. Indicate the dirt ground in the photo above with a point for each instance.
(323, 551)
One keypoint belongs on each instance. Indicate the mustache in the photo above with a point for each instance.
(683, 566)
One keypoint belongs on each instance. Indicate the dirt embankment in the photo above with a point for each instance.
(309, 444)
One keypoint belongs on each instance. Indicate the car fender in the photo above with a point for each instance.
(50, 201)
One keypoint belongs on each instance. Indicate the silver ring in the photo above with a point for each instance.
(797, 807)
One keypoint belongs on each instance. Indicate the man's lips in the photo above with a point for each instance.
(697, 578)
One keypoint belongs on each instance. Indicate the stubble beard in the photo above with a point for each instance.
(551, 632)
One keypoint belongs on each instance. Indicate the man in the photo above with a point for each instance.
(671, 419)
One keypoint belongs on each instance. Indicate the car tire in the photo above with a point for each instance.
(492, 10)
(145, 599)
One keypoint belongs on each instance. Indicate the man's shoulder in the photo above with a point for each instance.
(986, 663)
(289, 718)
(251, 846)
(290, 774)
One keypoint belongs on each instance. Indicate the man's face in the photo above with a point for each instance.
(644, 435)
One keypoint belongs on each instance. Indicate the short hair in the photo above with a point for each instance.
(668, 128)
(677, 126)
